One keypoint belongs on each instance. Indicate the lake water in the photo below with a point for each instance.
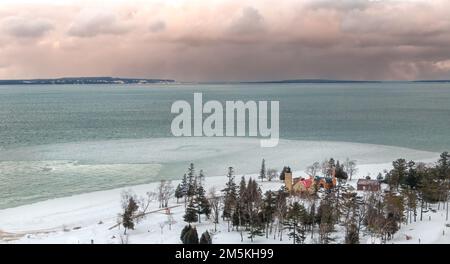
(62, 140)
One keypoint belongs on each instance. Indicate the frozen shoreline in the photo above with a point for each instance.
(61, 170)
(86, 217)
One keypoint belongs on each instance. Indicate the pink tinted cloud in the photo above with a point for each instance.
(227, 40)
(93, 22)
(22, 27)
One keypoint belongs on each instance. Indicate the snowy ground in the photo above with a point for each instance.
(87, 218)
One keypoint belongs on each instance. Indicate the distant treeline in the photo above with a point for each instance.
(327, 81)
(86, 80)
(315, 81)
(345, 81)
(112, 80)
(432, 81)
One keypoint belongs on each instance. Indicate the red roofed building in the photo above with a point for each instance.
(304, 185)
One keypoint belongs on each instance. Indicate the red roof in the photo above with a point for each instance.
(306, 182)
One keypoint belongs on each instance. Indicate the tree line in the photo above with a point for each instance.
(306, 217)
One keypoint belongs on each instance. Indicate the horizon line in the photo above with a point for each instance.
(293, 80)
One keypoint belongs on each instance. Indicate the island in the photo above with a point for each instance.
(86, 80)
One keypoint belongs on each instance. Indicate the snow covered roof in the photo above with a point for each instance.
(367, 182)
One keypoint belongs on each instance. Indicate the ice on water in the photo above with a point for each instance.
(66, 169)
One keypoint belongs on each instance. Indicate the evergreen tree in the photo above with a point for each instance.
(394, 213)
(184, 184)
(262, 172)
(410, 197)
(184, 188)
(352, 235)
(191, 181)
(429, 185)
(240, 217)
(350, 212)
(340, 173)
(128, 215)
(201, 177)
(443, 175)
(184, 231)
(283, 171)
(312, 216)
(179, 192)
(253, 209)
(326, 219)
(341, 176)
(236, 219)
(375, 219)
(422, 172)
(444, 165)
(202, 202)
(256, 226)
(191, 213)
(295, 218)
(380, 177)
(191, 236)
(205, 238)
(242, 189)
(412, 179)
(269, 208)
(398, 174)
(230, 196)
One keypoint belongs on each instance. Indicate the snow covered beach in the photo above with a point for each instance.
(87, 218)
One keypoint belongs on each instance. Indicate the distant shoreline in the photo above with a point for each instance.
(118, 80)
(85, 80)
(326, 81)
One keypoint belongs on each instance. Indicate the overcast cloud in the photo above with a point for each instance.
(192, 40)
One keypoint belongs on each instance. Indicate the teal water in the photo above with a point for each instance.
(53, 137)
(408, 115)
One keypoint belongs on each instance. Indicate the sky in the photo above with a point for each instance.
(218, 40)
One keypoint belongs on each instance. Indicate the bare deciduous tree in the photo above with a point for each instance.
(164, 192)
(350, 168)
(123, 239)
(272, 174)
(313, 169)
(170, 221)
(214, 201)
